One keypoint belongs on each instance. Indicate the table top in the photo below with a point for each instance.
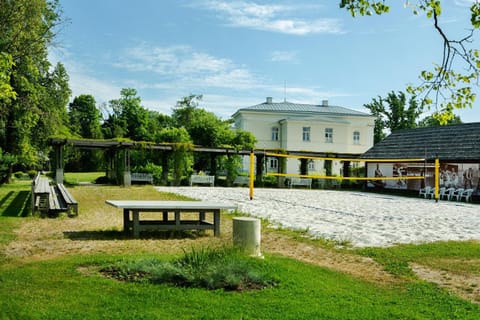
(156, 204)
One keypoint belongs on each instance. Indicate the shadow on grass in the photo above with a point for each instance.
(19, 206)
(121, 235)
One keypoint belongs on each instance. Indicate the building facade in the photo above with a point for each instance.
(307, 128)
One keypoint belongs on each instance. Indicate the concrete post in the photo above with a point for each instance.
(247, 235)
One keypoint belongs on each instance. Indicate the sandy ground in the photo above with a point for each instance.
(362, 219)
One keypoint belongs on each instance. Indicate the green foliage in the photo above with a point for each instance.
(181, 158)
(392, 113)
(435, 120)
(6, 90)
(129, 119)
(364, 7)
(34, 95)
(208, 268)
(84, 117)
(151, 168)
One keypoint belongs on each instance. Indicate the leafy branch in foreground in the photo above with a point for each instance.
(449, 85)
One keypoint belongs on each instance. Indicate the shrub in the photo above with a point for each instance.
(18, 174)
(102, 180)
(210, 268)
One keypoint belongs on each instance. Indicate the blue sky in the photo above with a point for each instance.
(236, 53)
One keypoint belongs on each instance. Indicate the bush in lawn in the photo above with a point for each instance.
(209, 268)
(18, 174)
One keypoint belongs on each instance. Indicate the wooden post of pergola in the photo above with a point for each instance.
(259, 168)
(127, 175)
(59, 163)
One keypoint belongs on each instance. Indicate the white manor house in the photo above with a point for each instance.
(307, 128)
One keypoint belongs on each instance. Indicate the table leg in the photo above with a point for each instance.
(216, 223)
(136, 224)
(165, 216)
(177, 218)
(126, 220)
(201, 216)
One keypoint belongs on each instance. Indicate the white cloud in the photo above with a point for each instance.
(185, 66)
(282, 56)
(269, 17)
(464, 3)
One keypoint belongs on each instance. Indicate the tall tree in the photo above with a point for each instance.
(33, 100)
(85, 121)
(393, 113)
(85, 117)
(129, 119)
(449, 84)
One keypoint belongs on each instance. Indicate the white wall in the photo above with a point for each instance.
(260, 124)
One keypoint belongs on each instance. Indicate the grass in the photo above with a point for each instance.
(74, 178)
(453, 256)
(60, 276)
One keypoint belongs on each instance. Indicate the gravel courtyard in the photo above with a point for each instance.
(364, 219)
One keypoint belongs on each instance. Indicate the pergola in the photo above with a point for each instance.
(113, 147)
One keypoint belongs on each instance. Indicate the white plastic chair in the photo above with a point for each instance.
(448, 193)
(425, 192)
(467, 195)
(457, 194)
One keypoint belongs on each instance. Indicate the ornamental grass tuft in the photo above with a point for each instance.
(209, 268)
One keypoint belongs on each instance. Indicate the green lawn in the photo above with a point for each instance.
(69, 286)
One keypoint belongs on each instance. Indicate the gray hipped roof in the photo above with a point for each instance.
(298, 108)
(449, 143)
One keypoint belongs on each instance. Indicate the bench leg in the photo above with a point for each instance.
(136, 224)
(126, 220)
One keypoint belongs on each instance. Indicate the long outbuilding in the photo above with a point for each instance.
(456, 146)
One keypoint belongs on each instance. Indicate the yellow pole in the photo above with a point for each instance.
(437, 177)
(252, 169)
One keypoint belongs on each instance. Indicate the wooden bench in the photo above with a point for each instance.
(47, 198)
(41, 194)
(302, 182)
(68, 201)
(142, 177)
(241, 181)
(198, 179)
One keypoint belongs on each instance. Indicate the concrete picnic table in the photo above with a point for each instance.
(133, 222)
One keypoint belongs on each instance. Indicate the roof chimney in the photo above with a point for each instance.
(324, 103)
(269, 100)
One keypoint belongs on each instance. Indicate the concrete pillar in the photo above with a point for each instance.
(247, 235)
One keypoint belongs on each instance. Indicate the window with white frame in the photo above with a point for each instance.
(328, 135)
(272, 163)
(311, 165)
(275, 134)
(306, 134)
(356, 137)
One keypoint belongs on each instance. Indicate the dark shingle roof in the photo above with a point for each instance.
(298, 108)
(450, 143)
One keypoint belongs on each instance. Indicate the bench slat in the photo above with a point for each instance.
(70, 201)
